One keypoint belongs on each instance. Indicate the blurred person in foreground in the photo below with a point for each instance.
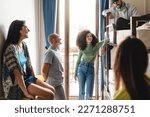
(131, 80)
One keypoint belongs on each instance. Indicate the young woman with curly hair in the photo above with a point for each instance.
(89, 46)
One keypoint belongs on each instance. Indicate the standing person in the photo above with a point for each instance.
(89, 46)
(52, 68)
(18, 74)
(121, 12)
(130, 67)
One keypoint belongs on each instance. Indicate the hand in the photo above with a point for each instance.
(29, 96)
(102, 50)
(75, 77)
(106, 13)
(109, 15)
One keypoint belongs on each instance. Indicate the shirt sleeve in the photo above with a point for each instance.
(105, 42)
(101, 44)
(49, 57)
(11, 58)
(134, 11)
(78, 62)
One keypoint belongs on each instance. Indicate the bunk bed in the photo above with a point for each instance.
(116, 36)
(141, 32)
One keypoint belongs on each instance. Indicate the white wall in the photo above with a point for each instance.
(23, 10)
(142, 5)
(147, 8)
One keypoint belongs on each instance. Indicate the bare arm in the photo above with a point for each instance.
(21, 83)
(77, 64)
(32, 71)
(45, 69)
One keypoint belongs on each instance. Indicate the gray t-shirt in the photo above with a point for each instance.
(55, 73)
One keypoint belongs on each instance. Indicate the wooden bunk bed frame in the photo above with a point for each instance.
(135, 19)
(133, 27)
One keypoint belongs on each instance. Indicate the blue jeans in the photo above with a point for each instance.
(86, 80)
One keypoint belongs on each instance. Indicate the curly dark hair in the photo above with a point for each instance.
(81, 39)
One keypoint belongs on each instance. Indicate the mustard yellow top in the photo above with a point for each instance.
(124, 95)
(121, 95)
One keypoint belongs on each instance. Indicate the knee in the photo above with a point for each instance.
(50, 96)
(53, 90)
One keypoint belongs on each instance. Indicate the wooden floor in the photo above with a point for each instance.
(76, 98)
(74, 89)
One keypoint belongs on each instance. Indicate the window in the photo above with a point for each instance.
(82, 16)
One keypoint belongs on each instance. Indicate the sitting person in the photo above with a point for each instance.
(121, 12)
(18, 75)
(131, 82)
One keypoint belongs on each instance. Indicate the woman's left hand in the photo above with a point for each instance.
(103, 50)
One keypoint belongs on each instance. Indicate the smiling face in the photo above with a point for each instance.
(24, 32)
(89, 38)
(118, 3)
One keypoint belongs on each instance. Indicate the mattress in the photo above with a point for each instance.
(143, 33)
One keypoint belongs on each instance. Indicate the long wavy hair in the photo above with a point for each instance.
(131, 64)
(81, 39)
(13, 36)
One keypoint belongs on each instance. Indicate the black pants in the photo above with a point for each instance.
(122, 24)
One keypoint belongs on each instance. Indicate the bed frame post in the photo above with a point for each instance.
(133, 26)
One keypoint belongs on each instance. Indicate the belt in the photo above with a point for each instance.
(87, 64)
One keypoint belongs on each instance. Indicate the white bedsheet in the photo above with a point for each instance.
(143, 33)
